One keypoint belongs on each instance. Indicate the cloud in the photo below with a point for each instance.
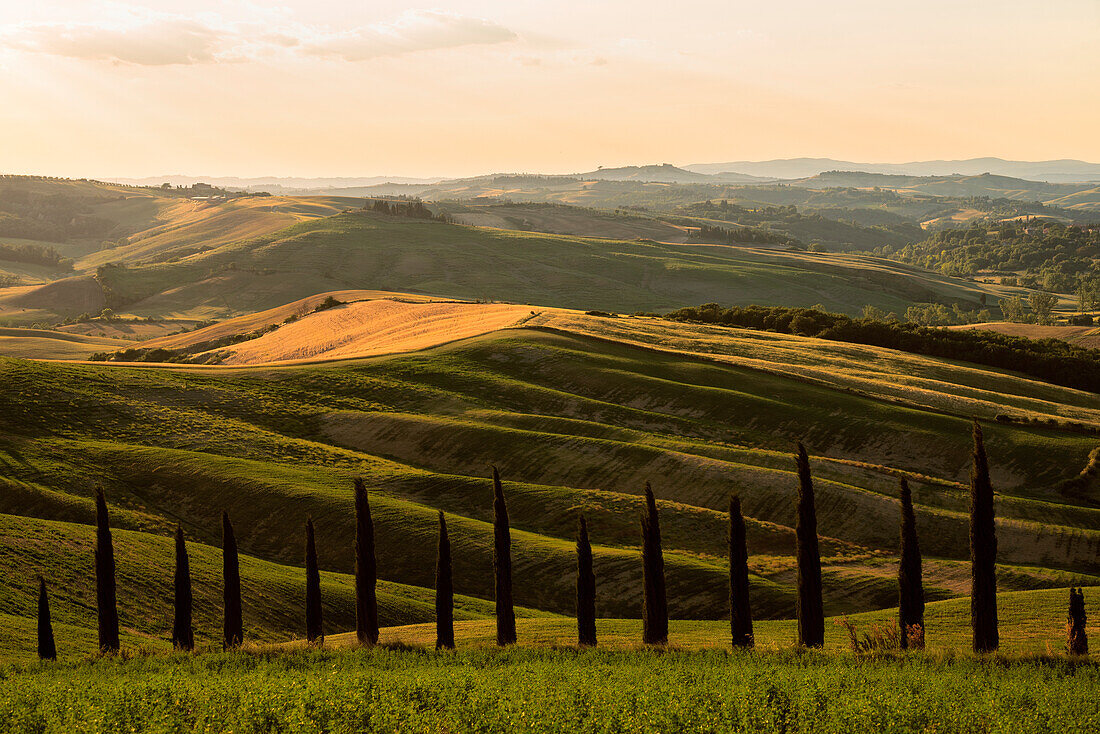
(414, 30)
(158, 42)
(168, 40)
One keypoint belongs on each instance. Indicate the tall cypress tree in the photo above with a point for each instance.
(314, 624)
(233, 625)
(910, 582)
(811, 615)
(366, 570)
(106, 603)
(586, 588)
(655, 616)
(983, 551)
(740, 612)
(444, 591)
(183, 637)
(1077, 640)
(46, 648)
(502, 565)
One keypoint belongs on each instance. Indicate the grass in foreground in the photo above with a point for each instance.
(561, 690)
(1030, 622)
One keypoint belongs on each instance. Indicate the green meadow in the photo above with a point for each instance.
(551, 690)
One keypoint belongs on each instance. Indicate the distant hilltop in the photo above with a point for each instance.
(1055, 171)
(733, 172)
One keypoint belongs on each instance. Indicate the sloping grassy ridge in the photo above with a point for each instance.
(576, 424)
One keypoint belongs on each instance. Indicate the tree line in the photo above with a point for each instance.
(1036, 254)
(1052, 360)
(403, 207)
(34, 255)
(809, 610)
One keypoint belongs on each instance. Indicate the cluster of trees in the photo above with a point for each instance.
(34, 255)
(936, 314)
(1051, 360)
(740, 235)
(1046, 254)
(809, 609)
(53, 217)
(401, 207)
(1038, 308)
(836, 228)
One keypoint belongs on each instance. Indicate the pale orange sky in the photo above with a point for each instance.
(331, 87)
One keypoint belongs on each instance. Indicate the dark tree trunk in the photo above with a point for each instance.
(811, 615)
(983, 551)
(106, 603)
(740, 611)
(655, 616)
(910, 582)
(366, 570)
(314, 622)
(183, 637)
(586, 588)
(46, 648)
(444, 591)
(502, 565)
(1077, 639)
(233, 627)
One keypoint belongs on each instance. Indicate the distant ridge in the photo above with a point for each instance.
(668, 173)
(1052, 171)
(282, 184)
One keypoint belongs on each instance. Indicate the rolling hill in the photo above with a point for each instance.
(359, 250)
(578, 412)
(1055, 171)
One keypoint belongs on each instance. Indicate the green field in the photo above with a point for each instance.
(561, 690)
(358, 250)
(578, 411)
(576, 424)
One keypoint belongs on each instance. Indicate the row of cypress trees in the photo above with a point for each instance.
(809, 611)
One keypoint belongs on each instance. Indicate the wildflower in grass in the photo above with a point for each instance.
(811, 615)
(182, 633)
(910, 583)
(47, 650)
(655, 615)
(502, 566)
(366, 570)
(983, 551)
(1077, 640)
(233, 623)
(314, 623)
(586, 588)
(106, 604)
(740, 612)
(444, 591)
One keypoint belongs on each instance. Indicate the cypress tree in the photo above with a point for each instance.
(106, 603)
(983, 551)
(586, 588)
(444, 591)
(314, 624)
(183, 637)
(910, 582)
(811, 616)
(740, 612)
(502, 565)
(46, 648)
(655, 617)
(1077, 640)
(233, 626)
(366, 570)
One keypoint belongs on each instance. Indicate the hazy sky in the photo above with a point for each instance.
(335, 87)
